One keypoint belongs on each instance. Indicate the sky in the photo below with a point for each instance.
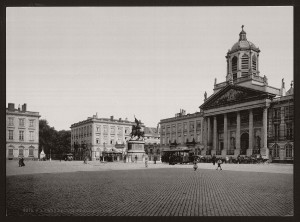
(69, 63)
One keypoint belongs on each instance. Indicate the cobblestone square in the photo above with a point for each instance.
(128, 189)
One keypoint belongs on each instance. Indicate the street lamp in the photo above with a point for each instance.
(50, 154)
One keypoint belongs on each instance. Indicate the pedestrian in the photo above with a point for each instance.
(136, 158)
(155, 158)
(214, 159)
(195, 165)
(227, 159)
(20, 162)
(219, 164)
(146, 161)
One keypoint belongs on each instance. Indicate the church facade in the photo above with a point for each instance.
(244, 115)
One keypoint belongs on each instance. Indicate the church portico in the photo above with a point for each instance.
(236, 132)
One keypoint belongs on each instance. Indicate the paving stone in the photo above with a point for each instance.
(120, 189)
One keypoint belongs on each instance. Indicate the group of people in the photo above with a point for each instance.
(214, 160)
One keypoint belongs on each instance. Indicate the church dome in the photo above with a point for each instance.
(243, 43)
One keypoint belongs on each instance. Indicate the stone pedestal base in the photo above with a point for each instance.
(237, 152)
(135, 149)
(249, 152)
(264, 152)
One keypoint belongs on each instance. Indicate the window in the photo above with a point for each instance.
(276, 131)
(289, 151)
(275, 151)
(21, 135)
(31, 135)
(192, 126)
(234, 64)
(31, 122)
(245, 65)
(254, 62)
(198, 125)
(105, 129)
(112, 130)
(184, 126)
(10, 121)
(289, 131)
(31, 151)
(276, 114)
(10, 152)
(21, 152)
(97, 141)
(179, 139)
(173, 128)
(168, 129)
(10, 134)
(179, 127)
(163, 129)
(21, 122)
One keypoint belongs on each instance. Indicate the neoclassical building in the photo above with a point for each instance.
(243, 116)
(152, 143)
(101, 136)
(22, 132)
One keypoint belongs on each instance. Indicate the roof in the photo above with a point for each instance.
(243, 44)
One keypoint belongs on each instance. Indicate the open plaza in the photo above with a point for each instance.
(72, 188)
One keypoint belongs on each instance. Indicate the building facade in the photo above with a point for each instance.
(22, 132)
(184, 131)
(243, 116)
(152, 143)
(101, 136)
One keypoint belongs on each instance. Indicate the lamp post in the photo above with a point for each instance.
(50, 155)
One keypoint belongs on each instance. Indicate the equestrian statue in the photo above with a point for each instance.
(137, 130)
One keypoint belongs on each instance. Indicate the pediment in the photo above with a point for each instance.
(233, 95)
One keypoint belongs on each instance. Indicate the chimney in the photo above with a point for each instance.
(120, 119)
(24, 107)
(11, 106)
(111, 118)
(19, 108)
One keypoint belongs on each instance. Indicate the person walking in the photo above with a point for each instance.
(195, 165)
(135, 158)
(219, 164)
(146, 161)
(214, 159)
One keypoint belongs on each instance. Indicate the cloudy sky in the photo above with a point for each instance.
(71, 63)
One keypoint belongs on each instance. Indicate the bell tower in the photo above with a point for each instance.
(242, 59)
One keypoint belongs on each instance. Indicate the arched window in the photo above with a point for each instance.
(11, 151)
(234, 64)
(254, 62)
(289, 150)
(275, 150)
(245, 65)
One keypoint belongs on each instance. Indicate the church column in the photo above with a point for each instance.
(215, 134)
(225, 136)
(249, 151)
(201, 130)
(238, 134)
(208, 131)
(265, 150)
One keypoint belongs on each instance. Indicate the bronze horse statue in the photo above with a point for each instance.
(136, 130)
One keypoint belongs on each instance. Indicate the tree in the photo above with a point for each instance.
(47, 136)
(58, 141)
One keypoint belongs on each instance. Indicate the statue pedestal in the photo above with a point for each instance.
(135, 149)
